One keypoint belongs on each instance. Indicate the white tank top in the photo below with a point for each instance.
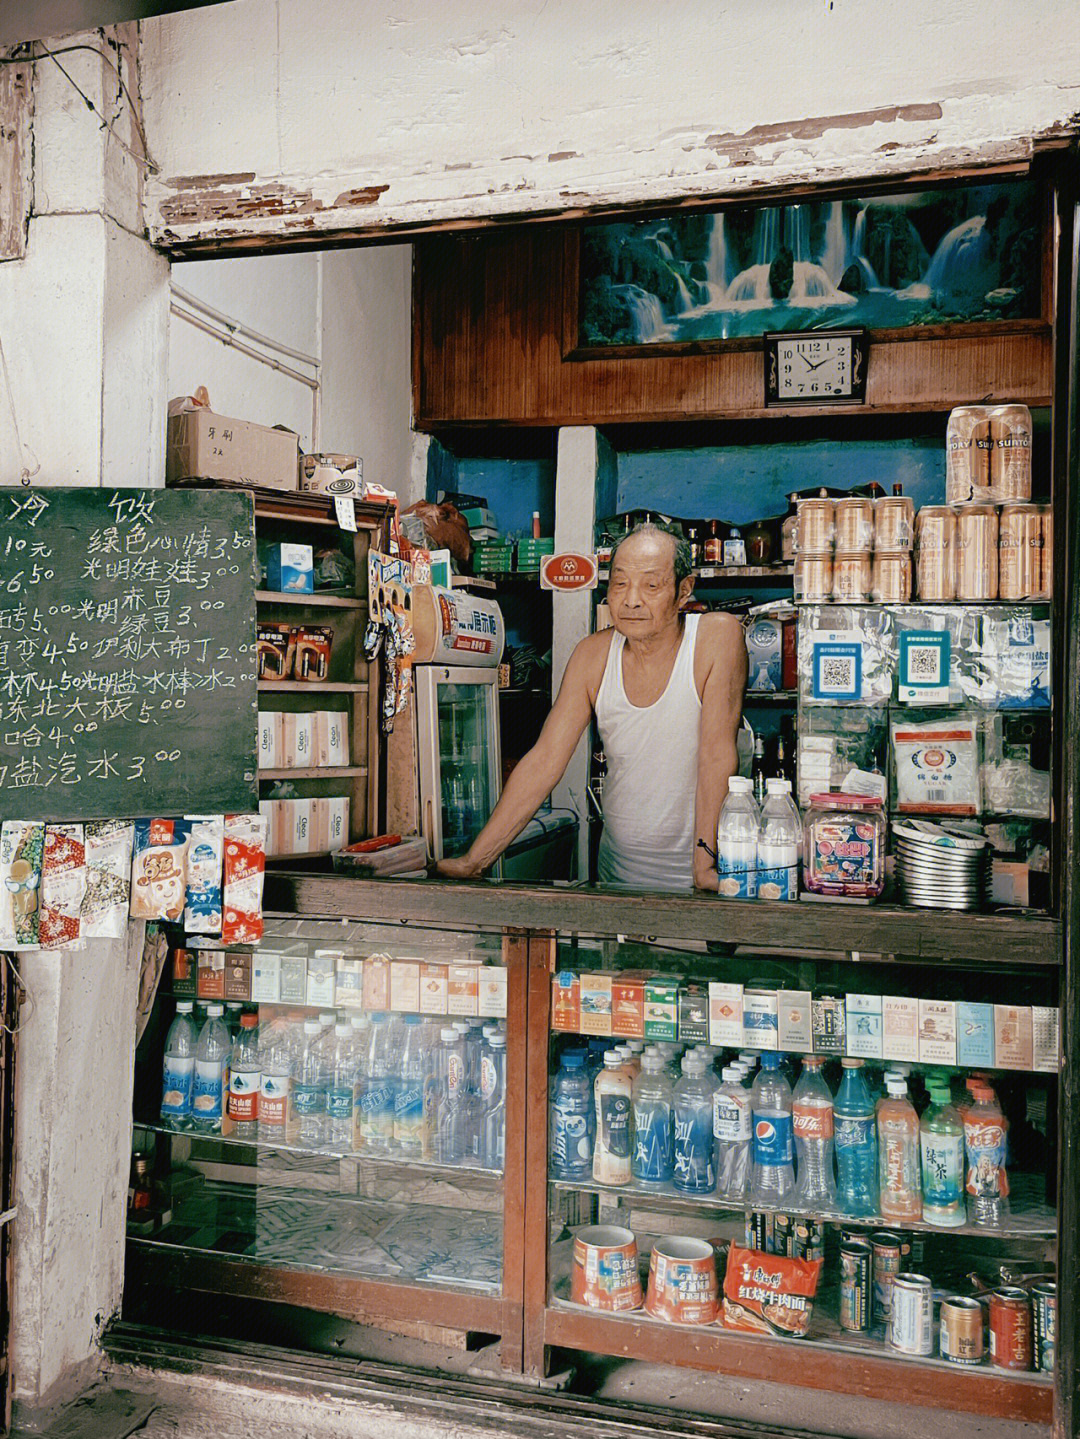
(652, 766)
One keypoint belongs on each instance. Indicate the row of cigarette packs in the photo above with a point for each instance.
(899, 1028)
(305, 826)
(327, 977)
(303, 741)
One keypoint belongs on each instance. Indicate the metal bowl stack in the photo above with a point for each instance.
(942, 866)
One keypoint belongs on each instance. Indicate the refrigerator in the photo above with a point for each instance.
(458, 749)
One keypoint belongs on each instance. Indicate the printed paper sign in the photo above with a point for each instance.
(568, 572)
(924, 666)
(837, 671)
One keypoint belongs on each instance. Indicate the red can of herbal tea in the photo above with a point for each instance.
(1010, 1329)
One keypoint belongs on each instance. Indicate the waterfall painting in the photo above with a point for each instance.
(965, 254)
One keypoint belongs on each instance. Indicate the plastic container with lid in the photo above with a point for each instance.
(844, 845)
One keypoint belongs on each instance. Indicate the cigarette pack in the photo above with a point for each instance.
(322, 978)
(349, 983)
(974, 1035)
(1013, 1038)
(270, 739)
(596, 1004)
(293, 981)
(794, 1021)
(377, 983)
(433, 989)
(628, 1007)
(863, 1013)
(566, 1002)
(937, 1031)
(761, 1027)
(405, 986)
(266, 978)
(238, 976)
(211, 974)
(900, 1028)
(183, 973)
(491, 1001)
(661, 1009)
(693, 1014)
(828, 1014)
(1045, 1039)
(331, 738)
(725, 1014)
(462, 989)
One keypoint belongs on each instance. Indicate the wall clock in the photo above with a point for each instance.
(824, 367)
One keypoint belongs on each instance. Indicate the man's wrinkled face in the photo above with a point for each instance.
(641, 591)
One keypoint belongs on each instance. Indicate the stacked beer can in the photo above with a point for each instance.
(855, 549)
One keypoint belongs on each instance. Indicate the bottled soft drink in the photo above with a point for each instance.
(377, 1089)
(341, 1089)
(652, 1160)
(474, 1111)
(611, 1150)
(986, 1180)
(899, 1180)
(737, 841)
(732, 1132)
(245, 1079)
(453, 1101)
(941, 1135)
(409, 1098)
(211, 1073)
(773, 1175)
(779, 844)
(309, 1088)
(812, 1116)
(572, 1123)
(275, 1089)
(855, 1127)
(493, 1095)
(178, 1076)
(434, 1066)
(695, 1170)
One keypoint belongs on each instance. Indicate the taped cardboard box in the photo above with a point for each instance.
(204, 446)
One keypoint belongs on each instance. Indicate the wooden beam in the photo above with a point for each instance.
(16, 112)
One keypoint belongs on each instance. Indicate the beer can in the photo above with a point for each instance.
(935, 553)
(1044, 1325)
(781, 1235)
(855, 1285)
(1020, 543)
(1046, 580)
(894, 522)
(968, 448)
(977, 545)
(808, 1240)
(911, 1327)
(961, 1330)
(813, 578)
(1010, 457)
(852, 576)
(854, 524)
(891, 582)
(885, 1247)
(1010, 1329)
(815, 526)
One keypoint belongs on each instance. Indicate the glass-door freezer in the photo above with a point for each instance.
(457, 718)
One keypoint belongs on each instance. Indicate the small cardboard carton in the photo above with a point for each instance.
(203, 446)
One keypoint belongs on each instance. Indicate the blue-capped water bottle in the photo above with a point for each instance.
(856, 1143)
(572, 1125)
(695, 1171)
(652, 1159)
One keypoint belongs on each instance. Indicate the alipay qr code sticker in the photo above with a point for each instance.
(837, 671)
(924, 666)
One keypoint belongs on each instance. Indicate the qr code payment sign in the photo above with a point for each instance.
(837, 672)
(924, 666)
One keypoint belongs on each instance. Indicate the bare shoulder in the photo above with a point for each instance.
(721, 636)
(586, 666)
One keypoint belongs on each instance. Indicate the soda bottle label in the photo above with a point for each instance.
(772, 1139)
(812, 1121)
(854, 1131)
(339, 1102)
(308, 1099)
(488, 1077)
(652, 1159)
(179, 1076)
(943, 1170)
(693, 1151)
(207, 1089)
(615, 1124)
(731, 1118)
(274, 1100)
(243, 1096)
(985, 1142)
(570, 1147)
(738, 876)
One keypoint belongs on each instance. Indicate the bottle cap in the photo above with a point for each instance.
(813, 1061)
(771, 1059)
(612, 1059)
(739, 784)
(693, 1063)
(341, 1029)
(249, 1021)
(573, 1061)
(729, 1074)
(215, 1011)
(497, 1041)
(652, 1063)
(777, 786)
(448, 1035)
(412, 1019)
(897, 1088)
(851, 1063)
(185, 1006)
(327, 1016)
(939, 1094)
(312, 1026)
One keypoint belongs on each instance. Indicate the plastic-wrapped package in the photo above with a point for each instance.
(22, 844)
(107, 897)
(833, 743)
(847, 655)
(159, 869)
(937, 765)
(960, 650)
(202, 903)
(63, 885)
(1010, 666)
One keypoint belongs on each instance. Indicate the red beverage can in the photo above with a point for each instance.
(1010, 1329)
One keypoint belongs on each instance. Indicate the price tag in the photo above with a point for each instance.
(345, 510)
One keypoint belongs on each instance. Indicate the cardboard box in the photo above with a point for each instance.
(1045, 1039)
(937, 1031)
(201, 445)
(266, 978)
(329, 823)
(794, 1021)
(297, 742)
(566, 1002)
(183, 974)
(270, 739)
(863, 1015)
(405, 986)
(210, 979)
(661, 1009)
(628, 1007)
(725, 1015)
(1013, 1037)
(290, 569)
(974, 1035)
(331, 738)
(462, 990)
(349, 983)
(294, 979)
(377, 983)
(900, 1028)
(238, 976)
(322, 978)
(433, 984)
(828, 1015)
(491, 1001)
(269, 812)
(761, 1029)
(596, 1004)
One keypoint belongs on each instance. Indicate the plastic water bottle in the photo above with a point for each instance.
(695, 1169)
(856, 1143)
(178, 1076)
(474, 1111)
(409, 1095)
(812, 1118)
(773, 1175)
(453, 1101)
(341, 1089)
(779, 843)
(245, 1080)
(987, 1181)
(376, 1090)
(211, 1083)
(732, 1132)
(572, 1121)
(309, 1088)
(275, 1089)
(434, 1067)
(899, 1179)
(652, 1159)
(493, 1096)
(941, 1135)
(737, 841)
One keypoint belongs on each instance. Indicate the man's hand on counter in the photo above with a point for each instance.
(705, 875)
(461, 868)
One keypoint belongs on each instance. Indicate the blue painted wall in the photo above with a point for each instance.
(514, 488)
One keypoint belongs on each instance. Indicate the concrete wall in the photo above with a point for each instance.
(343, 119)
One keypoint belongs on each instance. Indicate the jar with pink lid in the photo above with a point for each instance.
(844, 845)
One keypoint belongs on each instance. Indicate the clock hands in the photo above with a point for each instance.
(818, 364)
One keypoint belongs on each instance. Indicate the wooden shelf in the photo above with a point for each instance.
(770, 697)
(303, 687)
(735, 572)
(310, 601)
(327, 771)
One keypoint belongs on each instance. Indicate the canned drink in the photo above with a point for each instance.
(781, 1235)
(916, 1251)
(856, 1261)
(894, 522)
(935, 553)
(852, 577)
(962, 1330)
(854, 525)
(886, 1256)
(977, 544)
(815, 526)
(853, 1236)
(1010, 1329)
(1044, 1325)
(911, 1327)
(1010, 458)
(891, 582)
(1046, 578)
(813, 578)
(759, 1231)
(808, 1240)
(1020, 543)
(968, 447)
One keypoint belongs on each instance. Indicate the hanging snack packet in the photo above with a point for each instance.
(202, 908)
(768, 1294)
(22, 844)
(159, 869)
(245, 863)
(63, 884)
(937, 766)
(107, 898)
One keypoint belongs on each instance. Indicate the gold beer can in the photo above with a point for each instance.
(935, 553)
(813, 579)
(891, 582)
(815, 527)
(1046, 579)
(852, 577)
(977, 552)
(1020, 543)
(854, 524)
(894, 522)
(1010, 458)
(968, 446)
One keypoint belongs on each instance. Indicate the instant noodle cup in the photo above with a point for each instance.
(604, 1273)
(683, 1287)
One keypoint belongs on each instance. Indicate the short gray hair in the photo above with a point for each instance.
(682, 557)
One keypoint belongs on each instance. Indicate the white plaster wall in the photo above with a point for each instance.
(464, 110)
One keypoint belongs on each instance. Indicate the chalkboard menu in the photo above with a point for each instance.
(127, 653)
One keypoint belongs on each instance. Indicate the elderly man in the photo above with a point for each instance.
(667, 691)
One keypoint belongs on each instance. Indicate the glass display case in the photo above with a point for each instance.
(457, 718)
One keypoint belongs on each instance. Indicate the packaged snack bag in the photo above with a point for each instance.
(107, 897)
(245, 864)
(159, 869)
(22, 844)
(63, 885)
(202, 907)
(767, 1293)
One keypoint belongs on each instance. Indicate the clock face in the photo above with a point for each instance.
(814, 369)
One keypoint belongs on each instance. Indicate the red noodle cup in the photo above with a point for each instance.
(682, 1282)
(604, 1273)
